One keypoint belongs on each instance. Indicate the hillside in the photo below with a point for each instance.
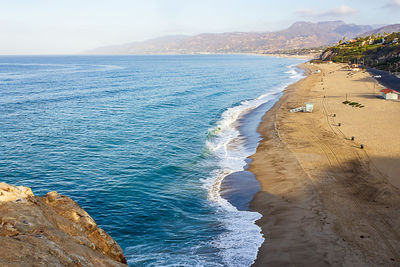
(299, 35)
(380, 51)
(382, 30)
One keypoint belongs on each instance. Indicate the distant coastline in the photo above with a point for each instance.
(305, 56)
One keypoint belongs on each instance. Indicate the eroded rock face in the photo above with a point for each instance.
(51, 231)
(328, 54)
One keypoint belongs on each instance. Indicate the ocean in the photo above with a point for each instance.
(143, 144)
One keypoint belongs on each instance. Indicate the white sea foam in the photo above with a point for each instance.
(295, 74)
(239, 245)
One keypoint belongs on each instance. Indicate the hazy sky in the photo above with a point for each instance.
(71, 26)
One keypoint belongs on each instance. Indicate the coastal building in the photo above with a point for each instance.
(390, 94)
(356, 67)
(351, 41)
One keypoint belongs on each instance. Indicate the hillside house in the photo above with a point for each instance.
(355, 67)
(350, 41)
(390, 94)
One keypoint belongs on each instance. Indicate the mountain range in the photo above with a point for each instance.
(299, 35)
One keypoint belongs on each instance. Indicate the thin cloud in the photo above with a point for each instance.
(393, 4)
(307, 12)
(334, 12)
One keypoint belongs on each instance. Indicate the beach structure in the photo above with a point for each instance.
(307, 108)
(390, 94)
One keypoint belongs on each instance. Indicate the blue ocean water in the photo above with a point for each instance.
(142, 143)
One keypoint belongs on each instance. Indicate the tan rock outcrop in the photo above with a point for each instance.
(52, 230)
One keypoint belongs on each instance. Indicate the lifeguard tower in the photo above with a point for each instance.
(307, 108)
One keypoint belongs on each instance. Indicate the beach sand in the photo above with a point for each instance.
(324, 200)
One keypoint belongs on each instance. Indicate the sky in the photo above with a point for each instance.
(72, 26)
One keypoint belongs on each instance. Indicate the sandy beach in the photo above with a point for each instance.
(324, 200)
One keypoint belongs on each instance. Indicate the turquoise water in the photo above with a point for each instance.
(142, 143)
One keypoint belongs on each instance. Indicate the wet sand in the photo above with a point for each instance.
(239, 189)
(324, 200)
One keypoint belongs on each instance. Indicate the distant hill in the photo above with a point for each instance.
(385, 29)
(298, 36)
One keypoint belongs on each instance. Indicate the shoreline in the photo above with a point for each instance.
(236, 185)
(240, 187)
(320, 204)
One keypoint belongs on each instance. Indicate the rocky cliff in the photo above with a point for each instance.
(51, 231)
